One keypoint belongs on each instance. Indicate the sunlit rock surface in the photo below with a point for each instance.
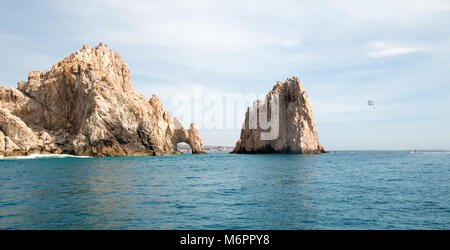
(86, 105)
(297, 130)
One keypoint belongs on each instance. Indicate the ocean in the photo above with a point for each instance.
(343, 190)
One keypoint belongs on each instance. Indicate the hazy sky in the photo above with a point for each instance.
(346, 52)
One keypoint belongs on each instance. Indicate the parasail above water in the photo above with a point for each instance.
(371, 103)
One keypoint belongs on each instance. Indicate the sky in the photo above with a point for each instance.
(345, 52)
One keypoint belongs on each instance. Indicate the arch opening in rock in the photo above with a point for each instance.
(190, 137)
(184, 148)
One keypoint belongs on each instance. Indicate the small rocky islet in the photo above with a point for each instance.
(296, 133)
(86, 106)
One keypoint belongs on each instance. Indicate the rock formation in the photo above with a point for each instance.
(296, 133)
(86, 105)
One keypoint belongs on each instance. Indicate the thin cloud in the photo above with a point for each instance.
(394, 52)
(380, 49)
(432, 5)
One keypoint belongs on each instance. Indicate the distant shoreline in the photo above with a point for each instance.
(184, 148)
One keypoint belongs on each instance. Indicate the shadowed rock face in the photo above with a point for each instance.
(86, 105)
(297, 130)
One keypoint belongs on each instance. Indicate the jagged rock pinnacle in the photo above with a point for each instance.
(86, 105)
(296, 133)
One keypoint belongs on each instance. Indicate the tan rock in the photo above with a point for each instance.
(2, 142)
(17, 131)
(86, 105)
(11, 149)
(191, 137)
(297, 133)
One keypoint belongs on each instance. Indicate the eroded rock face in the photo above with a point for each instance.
(297, 132)
(86, 105)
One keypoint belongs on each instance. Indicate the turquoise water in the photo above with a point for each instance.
(344, 190)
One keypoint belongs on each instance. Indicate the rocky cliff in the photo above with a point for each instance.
(86, 105)
(293, 131)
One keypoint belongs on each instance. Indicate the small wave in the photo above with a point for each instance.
(41, 156)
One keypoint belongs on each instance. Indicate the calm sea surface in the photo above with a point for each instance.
(344, 190)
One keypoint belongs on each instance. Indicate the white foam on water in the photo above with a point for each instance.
(40, 156)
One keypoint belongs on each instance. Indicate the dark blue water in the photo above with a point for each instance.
(346, 190)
